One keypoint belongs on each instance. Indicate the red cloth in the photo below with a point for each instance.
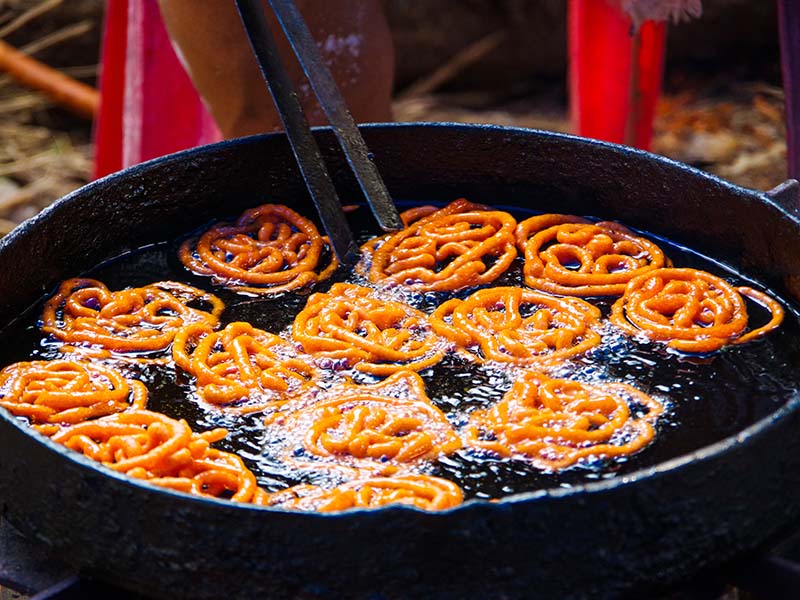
(601, 57)
(149, 106)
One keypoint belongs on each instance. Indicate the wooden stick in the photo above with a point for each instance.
(28, 16)
(634, 93)
(464, 58)
(81, 71)
(51, 39)
(79, 98)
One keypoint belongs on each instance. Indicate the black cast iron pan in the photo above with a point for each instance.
(604, 539)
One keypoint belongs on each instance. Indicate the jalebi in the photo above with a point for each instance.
(459, 246)
(165, 452)
(241, 367)
(60, 392)
(569, 256)
(135, 320)
(691, 310)
(372, 335)
(522, 327)
(392, 422)
(269, 249)
(557, 422)
(420, 491)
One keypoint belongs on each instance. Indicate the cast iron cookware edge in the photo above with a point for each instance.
(640, 532)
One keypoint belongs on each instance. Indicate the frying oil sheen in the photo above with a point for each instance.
(707, 398)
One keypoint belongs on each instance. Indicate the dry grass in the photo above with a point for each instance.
(37, 165)
(739, 135)
(38, 162)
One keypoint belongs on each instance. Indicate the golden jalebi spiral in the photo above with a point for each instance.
(374, 336)
(569, 256)
(421, 491)
(390, 422)
(241, 367)
(165, 452)
(691, 310)
(60, 392)
(459, 246)
(136, 320)
(558, 422)
(522, 327)
(268, 250)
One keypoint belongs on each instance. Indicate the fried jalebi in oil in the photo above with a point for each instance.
(60, 392)
(241, 367)
(569, 256)
(459, 246)
(165, 452)
(691, 310)
(84, 312)
(369, 334)
(269, 249)
(558, 422)
(518, 326)
(389, 422)
(421, 491)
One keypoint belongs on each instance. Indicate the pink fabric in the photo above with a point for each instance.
(157, 111)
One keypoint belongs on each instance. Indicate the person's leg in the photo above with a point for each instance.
(352, 34)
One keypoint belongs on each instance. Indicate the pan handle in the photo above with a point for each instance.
(787, 196)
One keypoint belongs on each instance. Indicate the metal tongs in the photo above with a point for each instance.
(294, 121)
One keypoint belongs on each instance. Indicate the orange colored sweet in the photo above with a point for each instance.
(391, 423)
(459, 246)
(690, 310)
(85, 315)
(165, 452)
(518, 326)
(556, 423)
(420, 491)
(569, 256)
(369, 334)
(268, 250)
(241, 367)
(376, 438)
(59, 392)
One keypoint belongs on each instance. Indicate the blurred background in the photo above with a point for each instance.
(482, 61)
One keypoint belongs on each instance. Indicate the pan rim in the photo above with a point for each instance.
(251, 139)
(704, 453)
